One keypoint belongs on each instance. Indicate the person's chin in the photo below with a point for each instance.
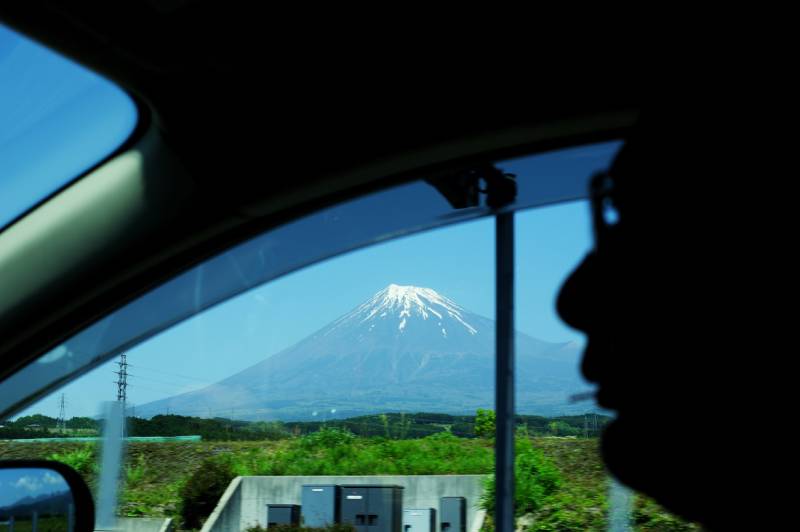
(640, 459)
(620, 454)
(631, 455)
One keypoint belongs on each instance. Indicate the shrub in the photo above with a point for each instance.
(134, 474)
(536, 479)
(81, 460)
(338, 452)
(203, 489)
(484, 423)
(327, 438)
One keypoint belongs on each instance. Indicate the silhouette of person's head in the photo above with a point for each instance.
(665, 302)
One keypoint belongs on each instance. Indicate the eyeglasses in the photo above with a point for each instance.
(605, 215)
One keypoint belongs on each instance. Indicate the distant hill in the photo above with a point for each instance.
(405, 349)
(48, 504)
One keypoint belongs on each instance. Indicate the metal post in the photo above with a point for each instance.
(504, 374)
(111, 465)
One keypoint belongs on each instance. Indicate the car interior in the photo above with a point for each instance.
(241, 150)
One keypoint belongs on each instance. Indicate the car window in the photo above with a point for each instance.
(356, 341)
(58, 120)
(544, 179)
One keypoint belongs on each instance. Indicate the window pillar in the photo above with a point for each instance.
(504, 373)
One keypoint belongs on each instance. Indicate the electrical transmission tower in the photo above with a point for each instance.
(122, 379)
(122, 386)
(61, 424)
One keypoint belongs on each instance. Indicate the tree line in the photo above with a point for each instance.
(389, 425)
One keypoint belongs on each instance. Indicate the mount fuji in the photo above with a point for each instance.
(405, 349)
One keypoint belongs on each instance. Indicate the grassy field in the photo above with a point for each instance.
(45, 524)
(156, 474)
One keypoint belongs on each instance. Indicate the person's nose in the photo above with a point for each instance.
(577, 305)
(576, 295)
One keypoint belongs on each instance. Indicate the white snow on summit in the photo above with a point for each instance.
(404, 302)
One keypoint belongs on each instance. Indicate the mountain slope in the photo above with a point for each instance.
(406, 348)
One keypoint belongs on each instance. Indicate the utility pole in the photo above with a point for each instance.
(61, 424)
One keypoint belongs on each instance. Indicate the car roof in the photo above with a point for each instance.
(243, 135)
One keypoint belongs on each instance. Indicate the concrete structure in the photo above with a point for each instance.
(242, 505)
(142, 524)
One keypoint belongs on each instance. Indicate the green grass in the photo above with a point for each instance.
(45, 524)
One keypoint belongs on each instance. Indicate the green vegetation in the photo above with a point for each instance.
(481, 425)
(335, 452)
(536, 479)
(40, 426)
(580, 503)
(390, 425)
(561, 483)
(82, 459)
(202, 491)
(648, 515)
(56, 523)
(485, 423)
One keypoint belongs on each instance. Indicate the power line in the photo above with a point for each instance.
(160, 390)
(170, 374)
(178, 388)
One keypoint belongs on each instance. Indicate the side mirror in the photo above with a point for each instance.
(40, 495)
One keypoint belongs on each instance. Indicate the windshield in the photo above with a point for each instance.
(58, 120)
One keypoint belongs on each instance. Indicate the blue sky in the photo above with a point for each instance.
(457, 261)
(51, 106)
(16, 484)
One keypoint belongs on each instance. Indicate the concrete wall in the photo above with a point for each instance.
(143, 524)
(244, 502)
(227, 514)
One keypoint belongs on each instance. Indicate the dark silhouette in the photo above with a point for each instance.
(680, 336)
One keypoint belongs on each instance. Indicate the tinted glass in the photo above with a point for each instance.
(376, 362)
(57, 120)
(542, 179)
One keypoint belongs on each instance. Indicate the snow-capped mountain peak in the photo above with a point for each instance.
(405, 303)
(406, 348)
